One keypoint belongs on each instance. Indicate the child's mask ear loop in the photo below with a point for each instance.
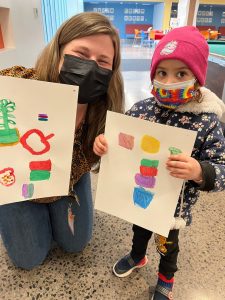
(198, 95)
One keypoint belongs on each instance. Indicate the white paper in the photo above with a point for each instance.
(32, 98)
(116, 181)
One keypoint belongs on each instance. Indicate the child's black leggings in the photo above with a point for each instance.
(168, 260)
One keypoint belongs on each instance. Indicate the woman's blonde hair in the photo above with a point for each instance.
(47, 68)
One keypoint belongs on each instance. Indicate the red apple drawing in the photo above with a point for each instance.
(43, 139)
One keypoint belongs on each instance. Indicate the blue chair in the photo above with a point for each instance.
(145, 39)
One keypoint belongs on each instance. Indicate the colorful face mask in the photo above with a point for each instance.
(93, 81)
(174, 94)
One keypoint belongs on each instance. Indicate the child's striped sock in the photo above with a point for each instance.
(163, 290)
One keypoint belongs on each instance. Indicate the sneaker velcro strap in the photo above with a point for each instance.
(162, 290)
(130, 261)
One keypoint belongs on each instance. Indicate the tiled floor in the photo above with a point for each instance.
(89, 276)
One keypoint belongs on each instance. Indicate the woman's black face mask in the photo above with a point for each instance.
(93, 81)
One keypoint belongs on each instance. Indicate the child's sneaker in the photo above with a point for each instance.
(163, 290)
(126, 265)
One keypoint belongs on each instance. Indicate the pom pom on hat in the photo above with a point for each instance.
(186, 44)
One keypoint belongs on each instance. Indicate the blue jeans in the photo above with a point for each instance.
(28, 228)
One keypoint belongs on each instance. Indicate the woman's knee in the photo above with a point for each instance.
(28, 262)
(78, 241)
(72, 220)
(77, 248)
(27, 236)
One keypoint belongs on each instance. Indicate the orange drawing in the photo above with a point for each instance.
(7, 177)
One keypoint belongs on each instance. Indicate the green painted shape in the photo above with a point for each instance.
(149, 163)
(42, 119)
(174, 150)
(6, 107)
(9, 136)
(39, 175)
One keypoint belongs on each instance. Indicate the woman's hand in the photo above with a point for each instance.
(100, 146)
(184, 167)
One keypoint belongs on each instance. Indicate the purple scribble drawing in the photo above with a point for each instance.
(27, 190)
(42, 117)
(145, 181)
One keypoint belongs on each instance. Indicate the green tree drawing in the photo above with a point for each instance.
(8, 136)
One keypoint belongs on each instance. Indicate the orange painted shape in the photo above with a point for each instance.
(7, 177)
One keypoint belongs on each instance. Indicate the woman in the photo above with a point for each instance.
(85, 52)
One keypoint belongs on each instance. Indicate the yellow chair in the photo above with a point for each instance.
(205, 33)
(137, 37)
(152, 35)
(213, 35)
(210, 34)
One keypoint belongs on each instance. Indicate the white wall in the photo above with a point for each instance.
(27, 32)
(74, 7)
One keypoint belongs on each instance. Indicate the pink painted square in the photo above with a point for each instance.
(126, 141)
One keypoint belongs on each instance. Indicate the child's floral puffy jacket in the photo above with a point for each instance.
(205, 117)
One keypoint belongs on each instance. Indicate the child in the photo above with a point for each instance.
(178, 72)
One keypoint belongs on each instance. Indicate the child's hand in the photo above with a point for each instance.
(100, 146)
(184, 167)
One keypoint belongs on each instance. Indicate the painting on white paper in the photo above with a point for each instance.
(37, 123)
(133, 182)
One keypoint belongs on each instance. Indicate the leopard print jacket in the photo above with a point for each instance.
(81, 163)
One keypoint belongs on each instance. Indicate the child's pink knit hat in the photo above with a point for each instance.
(186, 44)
